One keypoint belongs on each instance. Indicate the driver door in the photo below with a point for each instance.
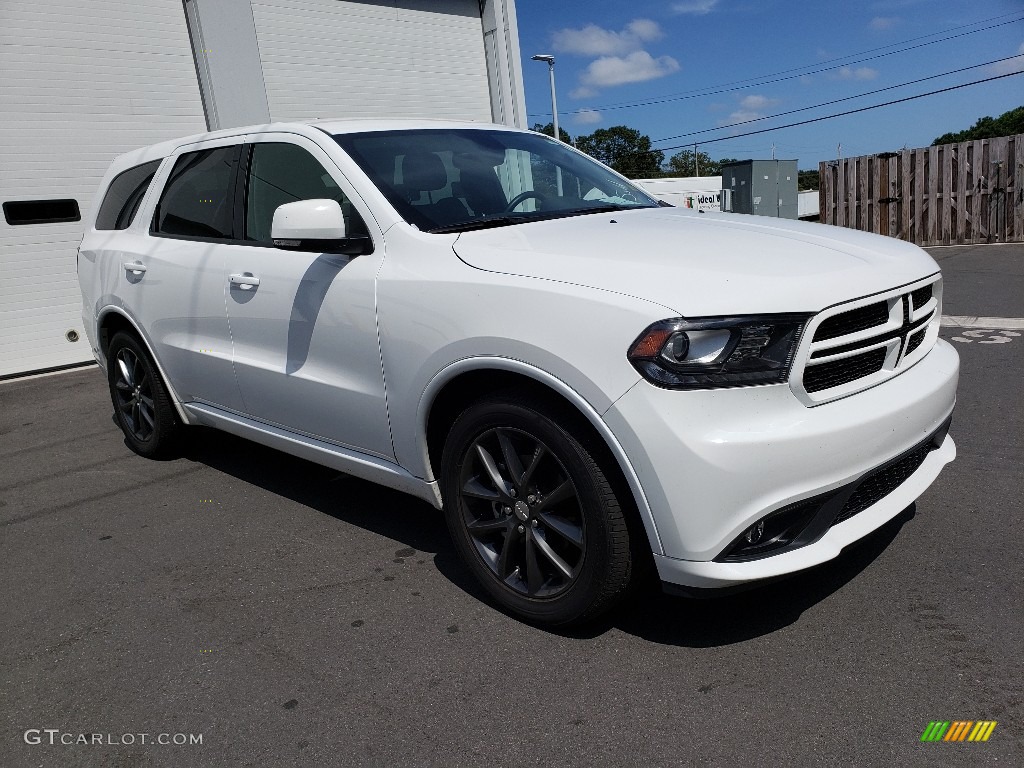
(304, 324)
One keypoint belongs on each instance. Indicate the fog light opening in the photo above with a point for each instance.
(774, 533)
(755, 533)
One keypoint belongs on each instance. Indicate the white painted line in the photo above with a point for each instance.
(994, 323)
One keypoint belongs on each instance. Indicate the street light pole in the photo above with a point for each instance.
(554, 101)
(554, 108)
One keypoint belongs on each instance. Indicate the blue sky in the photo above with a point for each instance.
(617, 53)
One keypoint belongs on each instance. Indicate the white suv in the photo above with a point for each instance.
(585, 380)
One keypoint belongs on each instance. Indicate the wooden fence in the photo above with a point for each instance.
(972, 192)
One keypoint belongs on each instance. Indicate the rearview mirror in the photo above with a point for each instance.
(315, 225)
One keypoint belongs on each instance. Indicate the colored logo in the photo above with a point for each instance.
(958, 730)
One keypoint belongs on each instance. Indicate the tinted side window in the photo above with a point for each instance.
(124, 195)
(199, 195)
(284, 173)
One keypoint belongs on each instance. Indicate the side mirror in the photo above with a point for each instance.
(315, 225)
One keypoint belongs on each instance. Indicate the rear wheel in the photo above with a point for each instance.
(142, 406)
(533, 514)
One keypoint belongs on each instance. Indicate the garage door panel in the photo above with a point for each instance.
(81, 84)
(372, 59)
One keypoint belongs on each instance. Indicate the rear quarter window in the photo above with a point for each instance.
(124, 195)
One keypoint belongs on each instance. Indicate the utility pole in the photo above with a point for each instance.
(696, 162)
(839, 151)
(773, 150)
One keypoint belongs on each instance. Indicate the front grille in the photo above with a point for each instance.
(844, 370)
(915, 340)
(867, 342)
(921, 296)
(881, 483)
(853, 321)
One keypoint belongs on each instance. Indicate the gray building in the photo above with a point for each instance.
(85, 81)
(762, 187)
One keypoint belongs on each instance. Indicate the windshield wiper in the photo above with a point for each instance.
(466, 226)
(507, 219)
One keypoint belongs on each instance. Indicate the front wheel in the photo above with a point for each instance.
(533, 514)
(142, 405)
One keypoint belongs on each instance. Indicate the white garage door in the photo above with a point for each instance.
(394, 58)
(80, 82)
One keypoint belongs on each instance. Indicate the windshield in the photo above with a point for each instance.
(450, 180)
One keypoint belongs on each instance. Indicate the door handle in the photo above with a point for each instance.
(134, 268)
(245, 282)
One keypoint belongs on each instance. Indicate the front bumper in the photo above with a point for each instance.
(714, 462)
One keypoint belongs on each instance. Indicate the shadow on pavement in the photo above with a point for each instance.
(650, 614)
(704, 623)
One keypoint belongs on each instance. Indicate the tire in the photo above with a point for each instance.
(533, 514)
(142, 406)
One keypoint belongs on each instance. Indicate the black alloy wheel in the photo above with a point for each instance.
(533, 514)
(525, 519)
(142, 406)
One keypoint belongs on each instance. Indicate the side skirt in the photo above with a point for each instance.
(350, 462)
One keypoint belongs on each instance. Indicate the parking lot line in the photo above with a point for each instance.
(995, 323)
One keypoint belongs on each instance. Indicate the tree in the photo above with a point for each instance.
(1007, 124)
(807, 180)
(549, 130)
(625, 149)
(681, 164)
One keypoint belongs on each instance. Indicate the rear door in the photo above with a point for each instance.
(304, 324)
(178, 290)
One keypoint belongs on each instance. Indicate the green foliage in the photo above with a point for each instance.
(807, 180)
(625, 149)
(681, 164)
(1007, 124)
(549, 130)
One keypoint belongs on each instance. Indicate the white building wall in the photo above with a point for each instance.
(79, 84)
(339, 59)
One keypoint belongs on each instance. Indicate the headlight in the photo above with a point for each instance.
(718, 351)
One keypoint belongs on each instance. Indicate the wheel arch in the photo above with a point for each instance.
(465, 381)
(113, 320)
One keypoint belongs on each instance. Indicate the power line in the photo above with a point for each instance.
(771, 78)
(845, 98)
(848, 112)
(757, 80)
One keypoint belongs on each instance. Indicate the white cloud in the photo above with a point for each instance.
(858, 73)
(751, 108)
(696, 7)
(1011, 66)
(753, 101)
(637, 67)
(883, 22)
(593, 40)
(587, 117)
(582, 93)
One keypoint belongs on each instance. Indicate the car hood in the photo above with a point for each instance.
(701, 263)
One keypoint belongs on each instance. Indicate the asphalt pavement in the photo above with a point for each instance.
(289, 615)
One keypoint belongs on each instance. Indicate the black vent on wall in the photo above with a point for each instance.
(18, 212)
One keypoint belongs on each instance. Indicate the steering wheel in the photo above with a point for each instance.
(515, 201)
